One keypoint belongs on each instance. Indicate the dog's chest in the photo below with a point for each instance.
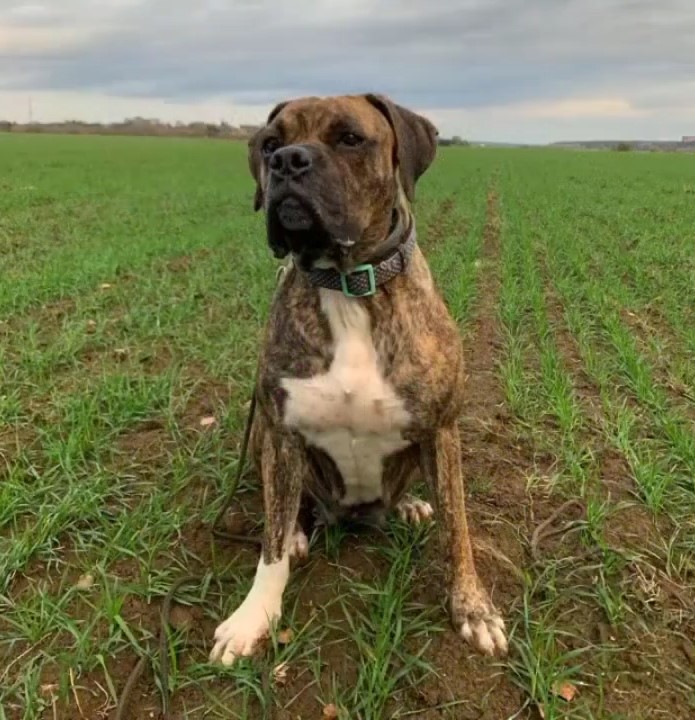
(350, 412)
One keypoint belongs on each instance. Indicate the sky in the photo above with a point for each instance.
(500, 70)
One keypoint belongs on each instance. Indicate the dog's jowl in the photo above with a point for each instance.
(360, 375)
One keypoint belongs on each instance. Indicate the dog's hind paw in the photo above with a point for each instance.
(480, 625)
(414, 511)
(299, 545)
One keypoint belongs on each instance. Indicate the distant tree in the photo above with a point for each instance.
(623, 147)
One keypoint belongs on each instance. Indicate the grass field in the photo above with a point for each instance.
(135, 281)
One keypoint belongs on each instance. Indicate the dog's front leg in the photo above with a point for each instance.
(473, 614)
(282, 470)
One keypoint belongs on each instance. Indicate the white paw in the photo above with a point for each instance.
(239, 635)
(299, 545)
(414, 511)
(487, 635)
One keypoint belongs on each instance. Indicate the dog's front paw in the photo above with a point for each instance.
(478, 622)
(239, 635)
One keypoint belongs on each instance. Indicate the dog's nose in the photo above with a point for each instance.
(291, 161)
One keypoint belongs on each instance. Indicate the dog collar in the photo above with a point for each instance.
(363, 280)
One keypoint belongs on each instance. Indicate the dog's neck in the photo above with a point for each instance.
(402, 227)
(363, 279)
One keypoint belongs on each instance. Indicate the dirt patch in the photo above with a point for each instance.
(647, 644)
(147, 446)
(494, 462)
(109, 304)
(442, 225)
(494, 470)
(208, 399)
(15, 441)
(633, 524)
(183, 263)
(679, 387)
(156, 358)
(615, 476)
(614, 472)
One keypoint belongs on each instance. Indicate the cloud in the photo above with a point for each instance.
(541, 59)
(581, 108)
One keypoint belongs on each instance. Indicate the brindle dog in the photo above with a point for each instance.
(361, 375)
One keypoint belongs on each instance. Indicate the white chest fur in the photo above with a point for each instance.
(350, 412)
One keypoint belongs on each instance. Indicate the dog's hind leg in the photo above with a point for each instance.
(283, 467)
(473, 614)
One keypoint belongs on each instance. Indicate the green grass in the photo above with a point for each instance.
(135, 284)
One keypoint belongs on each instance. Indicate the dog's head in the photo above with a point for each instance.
(332, 174)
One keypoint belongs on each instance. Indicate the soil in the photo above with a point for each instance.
(442, 225)
(646, 327)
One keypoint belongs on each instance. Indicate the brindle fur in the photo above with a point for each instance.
(418, 344)
(416, 339)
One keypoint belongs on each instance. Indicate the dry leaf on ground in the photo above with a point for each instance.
(85, 582)
(285, 637)
(280, 673)
(565, 690)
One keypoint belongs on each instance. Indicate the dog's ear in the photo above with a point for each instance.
(256, 157)
(416, 140)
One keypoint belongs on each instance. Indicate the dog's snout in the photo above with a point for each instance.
(291, 161)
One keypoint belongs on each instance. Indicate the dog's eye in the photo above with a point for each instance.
(351, 139)
(270, 145)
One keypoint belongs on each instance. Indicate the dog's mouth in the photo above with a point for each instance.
(295, 224)
(311, 231)
(295, 215)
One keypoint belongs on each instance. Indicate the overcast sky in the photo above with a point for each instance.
(517, 70)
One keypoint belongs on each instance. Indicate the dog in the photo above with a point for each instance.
(360, 377)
